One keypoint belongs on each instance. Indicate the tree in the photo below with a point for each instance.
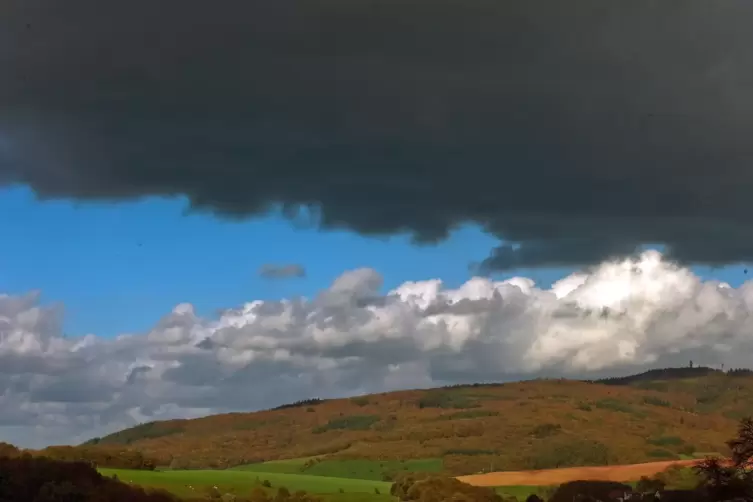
(649, 485)
(742, 445)
(725, 481)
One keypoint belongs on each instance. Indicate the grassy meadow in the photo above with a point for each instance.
(242, 482)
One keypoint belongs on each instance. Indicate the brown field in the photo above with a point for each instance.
(548, 477)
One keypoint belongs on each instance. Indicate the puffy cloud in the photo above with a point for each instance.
(272, 271)
(574, 132)
(618, 317)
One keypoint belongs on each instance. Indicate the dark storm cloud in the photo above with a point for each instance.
(575, 130)
(271, 271)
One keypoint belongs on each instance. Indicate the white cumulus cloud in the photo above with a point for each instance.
(620, 316)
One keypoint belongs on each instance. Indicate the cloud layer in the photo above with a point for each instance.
(616, 318)
(575, 131)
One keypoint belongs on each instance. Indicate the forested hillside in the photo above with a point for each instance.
(535, 424)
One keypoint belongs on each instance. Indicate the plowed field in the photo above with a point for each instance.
(547, 477)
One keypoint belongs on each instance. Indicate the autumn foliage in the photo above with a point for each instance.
(661, 415)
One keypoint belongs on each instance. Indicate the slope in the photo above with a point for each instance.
(515, 426)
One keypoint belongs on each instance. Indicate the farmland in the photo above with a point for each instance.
(241, 482)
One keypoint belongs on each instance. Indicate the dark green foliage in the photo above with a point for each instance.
(588, 490)
(300, 404)
(28, 479)
(660, 374)
(546, 430)
(666, 441)
(353, 423)
(740, 372)
(446, 399)
(360, 401)
(266, 483)
(584, 407)
(613, 405)
(569, 453)
(149, 430)
(649, 485)
(655, 401)
(661, 454)
(410, 487)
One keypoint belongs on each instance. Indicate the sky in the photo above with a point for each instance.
(119, 267)
(275, 191)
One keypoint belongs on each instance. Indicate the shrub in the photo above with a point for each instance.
(666, 441)
(360, 401)
(353, 423)
(655, 401)
(446, 399)
(613, 405)
(148, 430)
(469, 414)
(40, 479)
(649, 485)
(569, 454)
(545, 430)
(266, 483)
(300, 404)
(679, 478)
(588, 490)
(661, 453)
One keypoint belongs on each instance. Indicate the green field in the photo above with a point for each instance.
(290, 466)
(243, 482)
(373, 470)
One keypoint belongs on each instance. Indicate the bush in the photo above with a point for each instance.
(589, 490)
(661, 453)
(545, 430)
(446, 399)
(679, 478)
(353, 423)
(649, 485)
(613, 405)
(666, 441)
(360, 401)
(45, 480)
(570, 453)
(655, 401)
(300, 404)
(420, 487)
(266, 483)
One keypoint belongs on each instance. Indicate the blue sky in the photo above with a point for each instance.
(120, 267)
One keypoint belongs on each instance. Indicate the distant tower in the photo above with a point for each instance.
(691, 364)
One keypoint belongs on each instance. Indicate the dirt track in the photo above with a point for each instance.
(546, 477)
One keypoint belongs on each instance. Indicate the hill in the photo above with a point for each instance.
(660, 415)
